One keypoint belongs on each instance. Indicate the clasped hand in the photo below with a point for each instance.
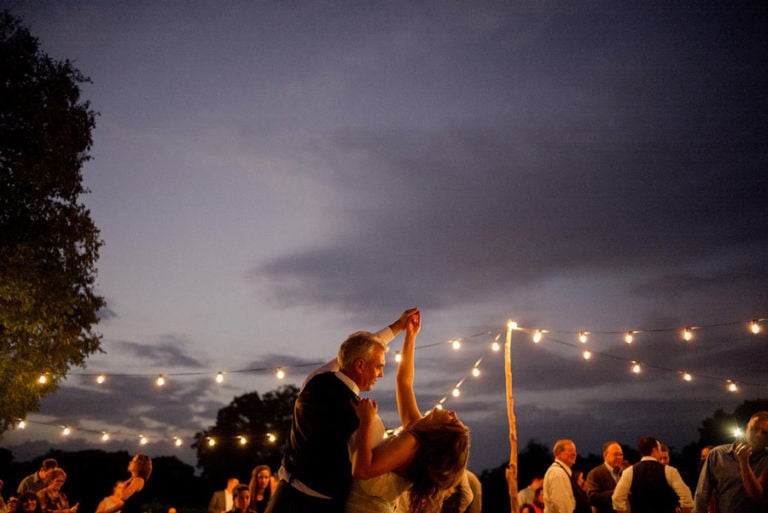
(365, 409)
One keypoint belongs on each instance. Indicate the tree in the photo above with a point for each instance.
(254, 418)
(49, 244)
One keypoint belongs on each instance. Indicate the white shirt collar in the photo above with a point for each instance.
(348, 381)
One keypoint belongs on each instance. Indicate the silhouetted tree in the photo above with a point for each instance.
(49, 244)
(255, 418)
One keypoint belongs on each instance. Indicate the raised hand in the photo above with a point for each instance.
(365, 409)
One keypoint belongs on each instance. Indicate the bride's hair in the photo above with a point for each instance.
(438, 466)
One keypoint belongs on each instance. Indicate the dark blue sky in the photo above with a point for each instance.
(270, 176)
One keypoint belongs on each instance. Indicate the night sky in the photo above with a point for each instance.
(269, 177)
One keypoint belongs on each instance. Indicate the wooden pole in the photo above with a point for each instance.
(511, 473)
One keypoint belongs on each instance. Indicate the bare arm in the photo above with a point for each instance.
(388, 456)
(753, 485)
(399, 324)
(132, 485)
(407, 406)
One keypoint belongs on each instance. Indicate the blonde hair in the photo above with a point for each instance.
(143, 466)
(438, 466)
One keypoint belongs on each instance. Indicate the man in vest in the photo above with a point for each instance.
(651, 487)
(561, 492)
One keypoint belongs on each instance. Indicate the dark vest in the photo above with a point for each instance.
(579, 495)
(650, 492)
(323, 420)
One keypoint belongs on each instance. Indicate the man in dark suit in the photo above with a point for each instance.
(602, 479)
(316, 472)
(222, 500)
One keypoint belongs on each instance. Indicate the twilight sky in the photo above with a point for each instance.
(269, 177)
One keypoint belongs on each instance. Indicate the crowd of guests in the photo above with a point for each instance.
(732, 478)
(41, 491)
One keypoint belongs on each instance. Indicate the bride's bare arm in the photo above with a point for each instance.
(407, 406)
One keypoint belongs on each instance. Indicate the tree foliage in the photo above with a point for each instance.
(49, 244)
(254, 417)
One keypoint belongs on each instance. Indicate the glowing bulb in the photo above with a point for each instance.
(687, 334)
(636, 368)
(439, 406)
(66, 431)
(143, 440)
(177, 441)
(42, 379)
(587, 354)
(280, 373)
(583, 337)
(495, 346)
(101, 378)
(737, 433)
(755, 327)
(398, 357)
(271, 438)
(104, 436)
(211, 442)
(475, 371)
(21, 424)
(160, 380)
(628, 338)
(687, 377)
(511, 325)
(537, 336)
(456, 344)
(219, 377)
(243, 440)
(732, 386)
(456, 392)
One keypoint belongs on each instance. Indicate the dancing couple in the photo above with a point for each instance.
(416, 469)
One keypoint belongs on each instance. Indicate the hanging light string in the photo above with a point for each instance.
(581, 338)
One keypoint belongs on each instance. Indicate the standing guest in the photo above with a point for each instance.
(664, 455)
(241, 498)
(737, 474)
(601, 480)
(316, 472)
(261, 488)
(52, 499)
(28, 502)
(561, 492)
(537, 503)
(140, 468)
(110, 501)
(36, 482)
(650, 487)
(525, 496)
(223, 500)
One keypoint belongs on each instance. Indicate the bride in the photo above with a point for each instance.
(424, 463)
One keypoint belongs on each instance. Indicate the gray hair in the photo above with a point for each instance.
(358, 345)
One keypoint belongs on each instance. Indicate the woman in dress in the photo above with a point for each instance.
(52, 499)
(426, 460)
(140, 468)
(261, 486)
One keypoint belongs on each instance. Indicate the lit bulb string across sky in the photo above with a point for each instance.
(533, 335)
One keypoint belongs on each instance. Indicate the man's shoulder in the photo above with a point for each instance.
(598, 470)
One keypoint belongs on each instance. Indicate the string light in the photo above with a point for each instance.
(628, 338)
(511, 325)
(583, 337)
(42, 379)
(687, 377)
(475, 371)
(495, 346)
(456, 344)
(687, 334)
(66, 431)
(243, 440)
(737, 432)
(398, 357)
(271, 438)
(587, 354)
(104, 436)
(636, 368)
(143, 440)
(537, 336)
(160, 381)
(755, 326)
(280, 373)
(21, 424)
(732, 386)
(100, 379)
(177, 441)
(219, 377)
(211, 442)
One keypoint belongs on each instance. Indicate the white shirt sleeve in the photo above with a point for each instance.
(558, 494)
(621, 492)
(675, 480)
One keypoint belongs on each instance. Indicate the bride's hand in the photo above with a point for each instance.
(413, 325)
(365, 409)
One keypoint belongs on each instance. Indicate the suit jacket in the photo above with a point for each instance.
(600, 486)
(218, 502)
(317, 453)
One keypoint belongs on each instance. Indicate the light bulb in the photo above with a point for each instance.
(537, 336)
(104, 436)
(628, 338)
(475, 371)
(219, 377)
(687, 334)
(101, 378)
(160, 381)
(587, 354)
(755, 327)
(456, 344)
(583, 337)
